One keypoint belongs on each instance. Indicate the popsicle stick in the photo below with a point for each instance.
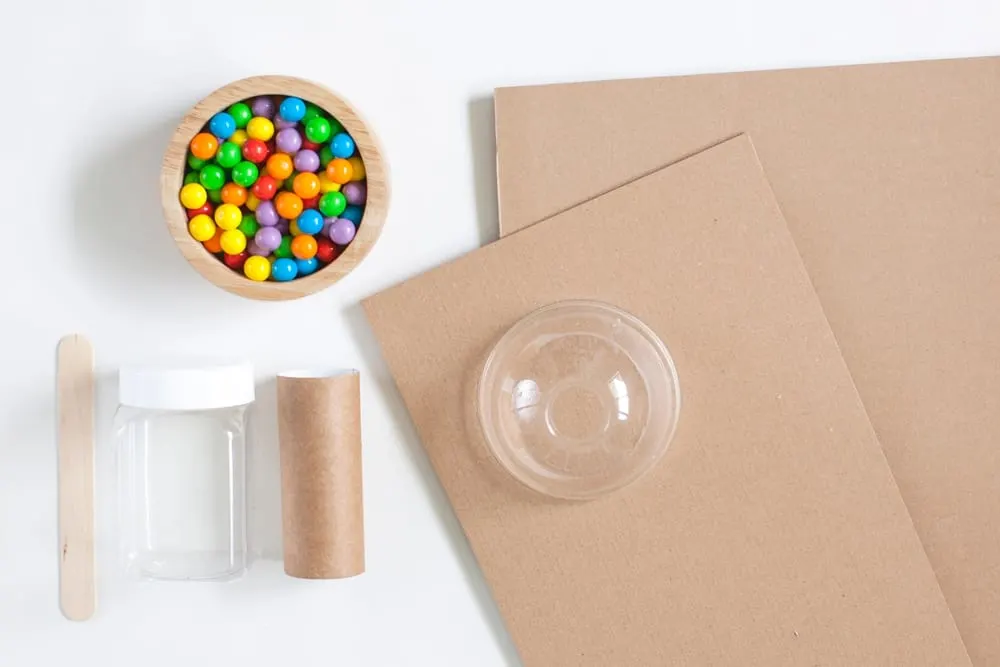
(75, 396)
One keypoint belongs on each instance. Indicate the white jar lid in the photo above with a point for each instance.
(205, 388)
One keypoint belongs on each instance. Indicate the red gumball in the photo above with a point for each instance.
(255, 150)
(326, 252)
(236, 262)
(312, 202)
(310, 145)
(265, 187)
(207, 208)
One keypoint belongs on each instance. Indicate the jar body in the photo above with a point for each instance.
(182, 492)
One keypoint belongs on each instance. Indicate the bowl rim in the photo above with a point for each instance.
(376, 174)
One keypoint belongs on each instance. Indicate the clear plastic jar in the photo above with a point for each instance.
(181, 450)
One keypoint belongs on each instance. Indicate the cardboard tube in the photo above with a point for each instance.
(319, 433)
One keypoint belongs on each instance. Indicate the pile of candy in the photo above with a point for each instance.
(274, 188)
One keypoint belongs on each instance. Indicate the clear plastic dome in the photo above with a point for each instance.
(578, 399)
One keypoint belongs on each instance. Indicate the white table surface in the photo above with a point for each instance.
(91, 92)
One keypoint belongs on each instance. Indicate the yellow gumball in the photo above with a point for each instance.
(239, 137)
(260, 128)
(293, 228)
(326, 185)
(201, 227)
(252, 202)
(257, 268)
(228, 216)
(193, 195)
(233, 242)
(359, 168)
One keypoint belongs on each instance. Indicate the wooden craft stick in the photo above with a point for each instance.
(75, 396)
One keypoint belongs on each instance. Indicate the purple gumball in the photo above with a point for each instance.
(267, 238)
(263, 106)
(256, 250)
(288, 141)
(342, 231)
(267, 215)
(282, 226)
(355, 193)
(283, 124)
(306, 160)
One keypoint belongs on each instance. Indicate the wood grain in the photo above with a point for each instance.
(75, 396)
(172, 178)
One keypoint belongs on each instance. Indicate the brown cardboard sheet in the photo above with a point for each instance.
(889, 178)
(770, 534)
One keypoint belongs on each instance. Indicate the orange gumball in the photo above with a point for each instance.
(304, 246)
(235, 194)
(339, 170)
(280, 166)
(214, 244)
(306, 185)
(288, 205)
(204, 146)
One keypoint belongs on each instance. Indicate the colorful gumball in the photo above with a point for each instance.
(245, 174)
(355, 193)
(204, 145)
(293, 229)
(249, 226)
(340, 170)
(228, 155)
(284, 249)
(263, 106)
(195, 163)
(336, 127)
(332, 204)
(326, 252)
(193, 195)
(265, 187)
(235, 194)
(318, 130)
(311, 202)
(214, 245)
(307, 266)
(288, 205)
(342, 145)
(359, 168)
(212, 177)
(279, 166)
(222, 125)
(215, 196)
(304, 246)
(312, 111)
(310, 222)
(326, 185)
(267, 239)
(191, 177)
(325, 156)
(233, 242)
(352, 213)
(205, 209)
(255, 150)
(307, 160)
(252, 201)
(306, 185)
(267, 214)
(292, 109)
(261, 128)
(201, 228)
(284, 269)
(257, 268)
(311, 146)
(228, 216)
(236, 261)
(241, 114)
(239, 137)
(342, 231)
(288, 141)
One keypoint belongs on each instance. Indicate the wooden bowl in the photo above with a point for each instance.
(172, 179)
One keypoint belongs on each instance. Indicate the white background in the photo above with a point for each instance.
(91, 92)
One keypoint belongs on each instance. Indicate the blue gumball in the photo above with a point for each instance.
(307, 266)
(284, 269)
(222, 125)
(342, 145)
(292, 109)
(353, 213)
(310, 222)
